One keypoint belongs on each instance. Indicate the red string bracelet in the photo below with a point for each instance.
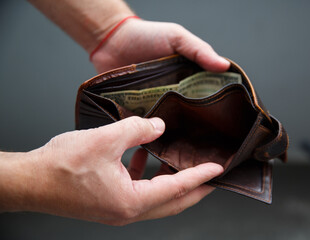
(110, 33)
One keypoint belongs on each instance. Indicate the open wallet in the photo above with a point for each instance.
(209, 117)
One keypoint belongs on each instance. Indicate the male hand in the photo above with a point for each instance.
(80, 175)
(137, 40)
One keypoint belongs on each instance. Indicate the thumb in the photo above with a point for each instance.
(134, 131)
(197, 50)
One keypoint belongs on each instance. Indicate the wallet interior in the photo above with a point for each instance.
(210, 129)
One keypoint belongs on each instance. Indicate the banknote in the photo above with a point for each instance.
(139, 101)
(199, 85)
(204, 84)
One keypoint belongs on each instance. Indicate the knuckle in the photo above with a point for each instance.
(177, 27)
(141, 126)
(136, 122)
(53, 142)
(177, 35)
(181, 191)
(132, 123)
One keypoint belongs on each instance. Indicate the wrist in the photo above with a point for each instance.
(104, 27)
(109, 33)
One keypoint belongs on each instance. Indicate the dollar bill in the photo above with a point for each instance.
(139, 101)
(199, 85)
(204, 84)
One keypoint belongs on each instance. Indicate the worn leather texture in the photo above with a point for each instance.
(230, 127)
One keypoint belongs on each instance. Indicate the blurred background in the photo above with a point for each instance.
(41, 69)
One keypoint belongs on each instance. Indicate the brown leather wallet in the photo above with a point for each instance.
(230, 127)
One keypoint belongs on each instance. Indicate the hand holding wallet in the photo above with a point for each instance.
(229, 125)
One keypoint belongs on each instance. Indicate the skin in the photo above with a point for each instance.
(154, 40)
(79, 174)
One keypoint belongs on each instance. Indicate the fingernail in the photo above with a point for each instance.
(157, 123)
(217, 168)
(214, 167)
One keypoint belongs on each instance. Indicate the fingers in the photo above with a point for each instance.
(197, 50)
(165, 188)
(131, 132)
(178, 205)
(137, 164)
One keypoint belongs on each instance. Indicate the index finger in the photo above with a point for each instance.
(163, 188)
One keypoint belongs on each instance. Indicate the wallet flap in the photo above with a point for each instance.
(251, 178)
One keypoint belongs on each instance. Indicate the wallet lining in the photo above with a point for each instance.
(202, 132)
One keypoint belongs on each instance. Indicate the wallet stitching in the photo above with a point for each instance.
(225, 185)
(113, 74)
(243, 189)
(263, 128)
(243, 192)
(108, 75)
(248, 189)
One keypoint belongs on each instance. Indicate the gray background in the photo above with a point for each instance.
(41, 69)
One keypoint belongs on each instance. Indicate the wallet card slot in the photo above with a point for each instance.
(107, 106)
(146, 79)
(91, 114)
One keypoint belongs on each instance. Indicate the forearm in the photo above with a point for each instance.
(17, 178)
(86, 21)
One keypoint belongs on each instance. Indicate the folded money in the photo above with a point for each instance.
(199, 85)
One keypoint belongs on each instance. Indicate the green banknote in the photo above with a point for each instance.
(199, 85)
